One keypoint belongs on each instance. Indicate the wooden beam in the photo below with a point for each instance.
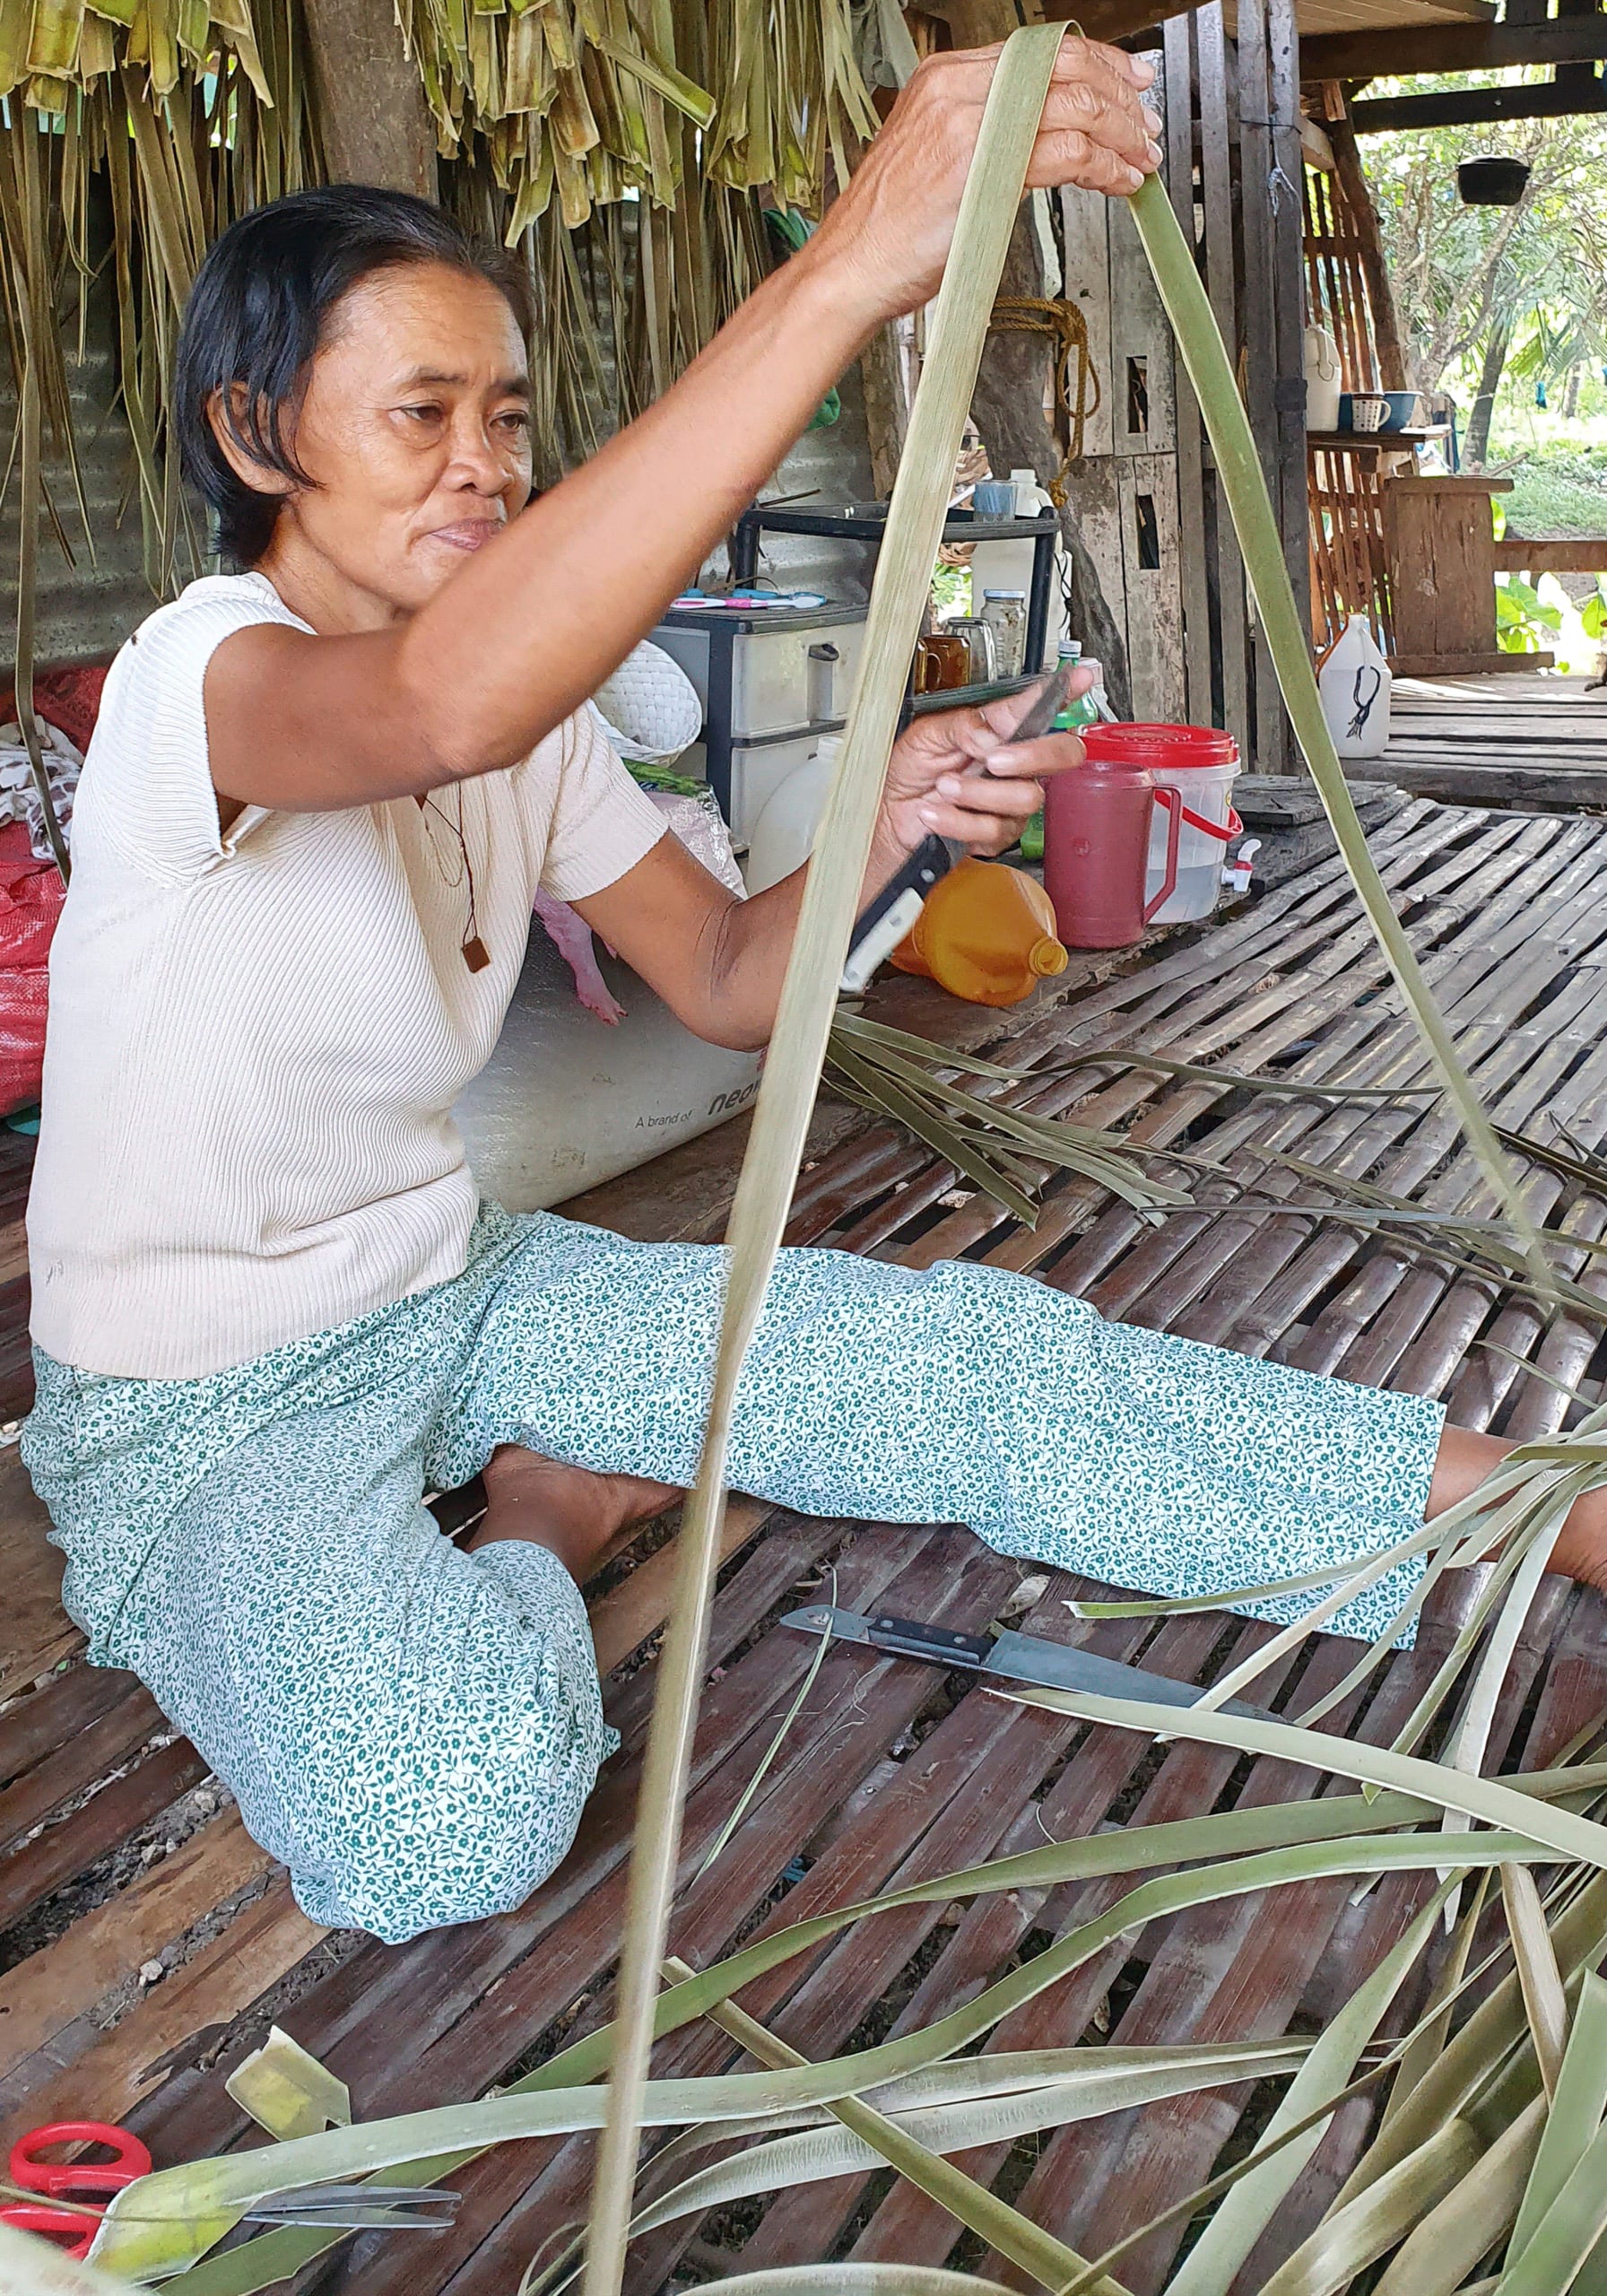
(1467, 666)
(1116, 19)
(1452, 47)
(1477, 106)
(1553, 554)
(372, 115)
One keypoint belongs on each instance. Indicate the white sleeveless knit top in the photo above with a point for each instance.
(256, 1038)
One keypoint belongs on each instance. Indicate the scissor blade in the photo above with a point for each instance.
(428, 2208)
(1008, 1657)
(349, 2220)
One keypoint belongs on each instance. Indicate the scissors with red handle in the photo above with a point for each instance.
(71, 2192)
(68, 2210)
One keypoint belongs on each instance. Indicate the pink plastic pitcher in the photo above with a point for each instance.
(1097, 844)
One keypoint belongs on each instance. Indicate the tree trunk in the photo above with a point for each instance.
(1476, 446)
(886, 416)
(1570, 392)
(1007, 406)
(374, 120)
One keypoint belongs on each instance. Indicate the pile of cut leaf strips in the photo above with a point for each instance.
(1487, 2169)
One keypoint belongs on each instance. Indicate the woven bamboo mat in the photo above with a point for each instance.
(892, 1771)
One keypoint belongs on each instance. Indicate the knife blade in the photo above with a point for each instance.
(1008, 1657)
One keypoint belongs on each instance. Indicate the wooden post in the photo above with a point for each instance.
(1179, 110)
(1258, 323)
(374, 120)
(1289, 343)
(1217, 196)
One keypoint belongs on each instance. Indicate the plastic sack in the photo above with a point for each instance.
(30, 897)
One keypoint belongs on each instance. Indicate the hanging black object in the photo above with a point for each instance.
(1493, 181)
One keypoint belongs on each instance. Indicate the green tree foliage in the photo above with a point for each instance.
(1468, 279)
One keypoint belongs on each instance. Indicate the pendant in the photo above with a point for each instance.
(475, 954)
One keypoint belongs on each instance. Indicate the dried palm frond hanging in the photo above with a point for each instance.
(131, 134)
(630, 153)
(582, 132)
(589, 102)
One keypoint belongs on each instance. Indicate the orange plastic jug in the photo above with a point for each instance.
(986, 934)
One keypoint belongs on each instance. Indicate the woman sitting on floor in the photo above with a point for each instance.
(269, 1310)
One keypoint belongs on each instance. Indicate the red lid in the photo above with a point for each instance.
(1166, 749)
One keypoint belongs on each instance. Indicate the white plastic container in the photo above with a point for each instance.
(1321, 380)
(1207, 793)
(758, 769)
(1355, 683)
(783, 837)
(761, 673)
(1031, 498)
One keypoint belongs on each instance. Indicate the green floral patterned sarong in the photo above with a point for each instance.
(414, 1730)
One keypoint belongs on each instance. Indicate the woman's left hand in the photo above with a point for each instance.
(933, 786)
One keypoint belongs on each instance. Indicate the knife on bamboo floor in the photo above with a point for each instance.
(1007, 1656)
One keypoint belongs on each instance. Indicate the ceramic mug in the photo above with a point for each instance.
(1368, 412)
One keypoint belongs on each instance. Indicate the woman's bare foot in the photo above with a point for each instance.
(579, 1515)
(1464, 1461)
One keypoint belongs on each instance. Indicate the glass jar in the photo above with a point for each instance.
(1005, 614)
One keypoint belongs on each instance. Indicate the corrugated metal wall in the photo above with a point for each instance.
(86, 604)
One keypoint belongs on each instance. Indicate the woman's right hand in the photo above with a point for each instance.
(888, 233)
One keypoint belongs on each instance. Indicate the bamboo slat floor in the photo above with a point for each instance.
(893, 1772)
(1522, 737)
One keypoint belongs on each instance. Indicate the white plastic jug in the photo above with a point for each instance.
(1031, 498)
(1355, 683)
(1321, 380)
(784, 834)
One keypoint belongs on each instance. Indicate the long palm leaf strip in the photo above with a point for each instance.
(792, 1073)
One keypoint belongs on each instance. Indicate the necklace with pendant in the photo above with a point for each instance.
(475, 954)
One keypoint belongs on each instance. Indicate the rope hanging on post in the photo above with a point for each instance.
(1062, 321)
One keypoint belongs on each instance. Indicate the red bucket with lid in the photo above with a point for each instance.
(1201, 763)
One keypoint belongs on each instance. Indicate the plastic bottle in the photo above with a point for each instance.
(1354, 682)
(986, 934)
(1081, 711)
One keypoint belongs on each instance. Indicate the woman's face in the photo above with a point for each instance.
(415, 429)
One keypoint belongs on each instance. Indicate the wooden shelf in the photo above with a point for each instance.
(1339, 442)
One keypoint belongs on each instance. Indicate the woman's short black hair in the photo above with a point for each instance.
(257, 311)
